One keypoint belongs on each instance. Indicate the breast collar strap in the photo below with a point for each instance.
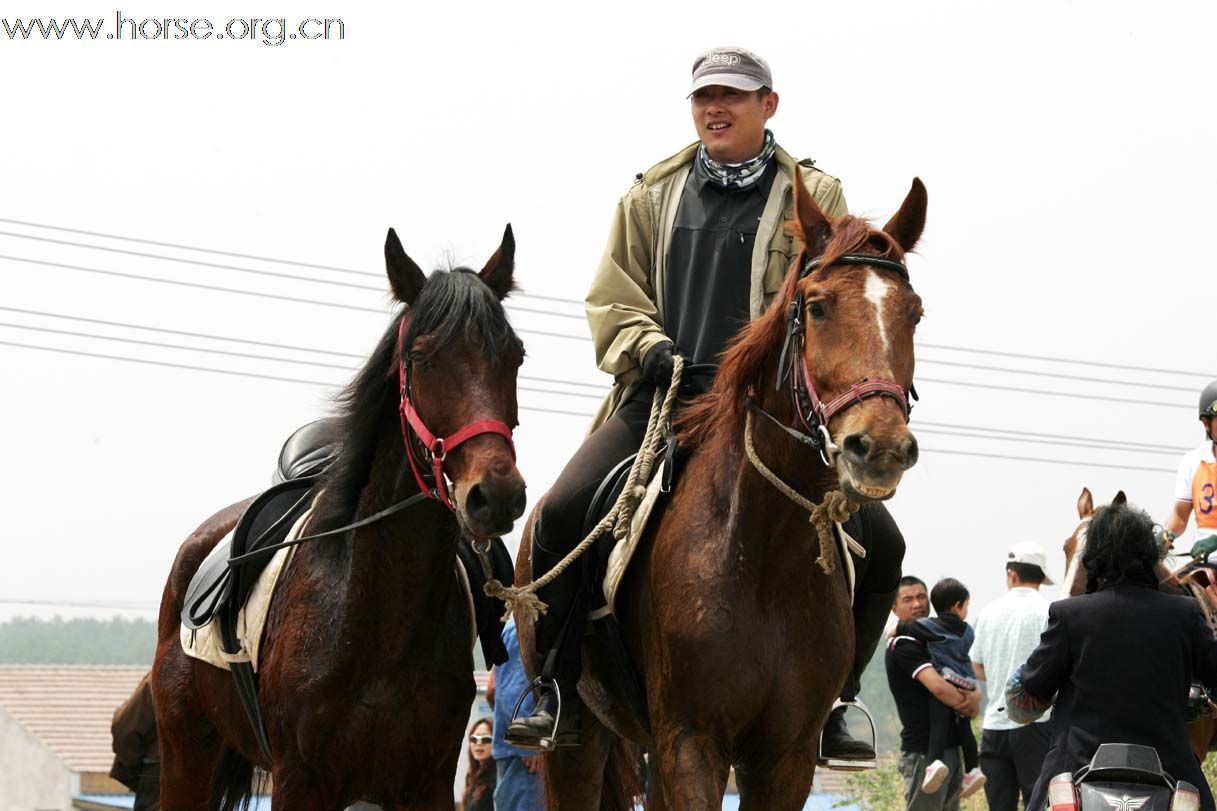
(436, 448)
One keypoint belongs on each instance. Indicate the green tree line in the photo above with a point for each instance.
(81, 641)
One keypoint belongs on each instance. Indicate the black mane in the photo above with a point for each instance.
(454, 306)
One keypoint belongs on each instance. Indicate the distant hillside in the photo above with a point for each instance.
(117, 641)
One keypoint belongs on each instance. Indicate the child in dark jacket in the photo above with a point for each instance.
(951, 659)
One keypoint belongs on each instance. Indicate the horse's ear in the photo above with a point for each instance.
(498, 270)
(1120, 498)
(813, 225)
(906, 225)
(1085, 503)
(405, 277)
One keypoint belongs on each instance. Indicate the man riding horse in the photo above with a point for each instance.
(697, 248)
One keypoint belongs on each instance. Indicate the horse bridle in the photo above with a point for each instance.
(434, 448)
(812, 412)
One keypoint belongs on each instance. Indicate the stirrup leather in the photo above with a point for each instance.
(840, 764)
(545, 743)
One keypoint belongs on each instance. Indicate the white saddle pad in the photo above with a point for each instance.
(205, 643)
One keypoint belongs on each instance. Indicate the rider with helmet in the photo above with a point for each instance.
(697, 248)
(1196, 483)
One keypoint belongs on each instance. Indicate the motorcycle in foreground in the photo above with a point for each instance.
(1122, 777)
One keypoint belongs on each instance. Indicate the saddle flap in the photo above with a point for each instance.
(209, 588)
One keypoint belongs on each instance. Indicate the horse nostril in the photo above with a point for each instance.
(476, 502)
(856, 446)
(911, 452)
(519, 503)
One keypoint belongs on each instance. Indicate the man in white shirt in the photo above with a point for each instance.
(1008, 630)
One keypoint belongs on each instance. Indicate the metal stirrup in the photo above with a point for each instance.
(545, 743)
(840, 764)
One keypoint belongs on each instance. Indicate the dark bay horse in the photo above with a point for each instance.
(742, 640)
(365, 674)
(1202, 732)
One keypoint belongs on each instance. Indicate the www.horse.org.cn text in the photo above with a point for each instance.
(118, 28)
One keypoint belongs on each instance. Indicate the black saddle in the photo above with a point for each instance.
(217, 587)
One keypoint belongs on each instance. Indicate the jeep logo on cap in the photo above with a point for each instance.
(725, 59)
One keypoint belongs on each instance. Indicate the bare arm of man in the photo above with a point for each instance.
(980, 671)
(1177, 522)
(966, 704)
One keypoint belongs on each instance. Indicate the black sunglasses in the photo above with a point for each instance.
(481, 739)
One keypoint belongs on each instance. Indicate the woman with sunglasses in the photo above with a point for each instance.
(480, 774)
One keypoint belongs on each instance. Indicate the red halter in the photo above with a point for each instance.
(437, 448)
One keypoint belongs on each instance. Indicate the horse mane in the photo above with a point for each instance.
(453, 306)
(751, 353)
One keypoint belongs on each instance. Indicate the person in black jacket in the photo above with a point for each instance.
(1119, 659)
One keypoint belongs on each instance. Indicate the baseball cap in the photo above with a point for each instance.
(731, 67)
(1031, 553)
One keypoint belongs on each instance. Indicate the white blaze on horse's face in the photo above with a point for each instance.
(876, 291)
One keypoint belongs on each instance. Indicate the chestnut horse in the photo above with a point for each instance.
(742, 641)
(365, 673)
(1202, 732)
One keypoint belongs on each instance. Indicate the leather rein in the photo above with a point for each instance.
(812, 411)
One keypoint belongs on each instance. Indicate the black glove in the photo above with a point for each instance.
(657, 366)
(918, 631)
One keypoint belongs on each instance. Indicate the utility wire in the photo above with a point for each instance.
(978, 454)
(1040, 434)
(1055, 442)
(557, 299)
(272, 358)
(253, 293)
(233, 254)
(255, 375)
(1046, 392)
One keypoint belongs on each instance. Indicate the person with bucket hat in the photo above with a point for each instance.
(697, 248)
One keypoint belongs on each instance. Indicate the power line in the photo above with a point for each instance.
(945, 429)
(1041, 434)
(1057, 375)
(272, 358)
(254, 271)
(1072, 395)
(1074, 462)
(545, 333)
(558, 299)
(1059, 359)
(233, 254)
(256, 294)
(1077, 463)
(277, 378)
(1054, 442)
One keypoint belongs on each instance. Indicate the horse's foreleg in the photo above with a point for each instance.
(780, 785)
(574, 775)
(693, 769)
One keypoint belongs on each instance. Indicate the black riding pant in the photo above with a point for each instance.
(564, 511)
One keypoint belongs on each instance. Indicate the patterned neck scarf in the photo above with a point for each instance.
(738, 175)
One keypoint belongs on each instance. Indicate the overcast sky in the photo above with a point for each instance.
(1067, 149)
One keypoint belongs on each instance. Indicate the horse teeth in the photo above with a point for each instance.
(872, 492)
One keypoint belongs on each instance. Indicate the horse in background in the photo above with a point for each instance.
(365, 673)
(1203, 731)
(735, 610)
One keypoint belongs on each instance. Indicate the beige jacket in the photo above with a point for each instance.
(625, 303)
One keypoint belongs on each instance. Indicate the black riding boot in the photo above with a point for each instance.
(870, 616)
(559, 634)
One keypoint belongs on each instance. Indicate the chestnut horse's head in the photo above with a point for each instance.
(1075, 545)
(444, 378)
(858, 320)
